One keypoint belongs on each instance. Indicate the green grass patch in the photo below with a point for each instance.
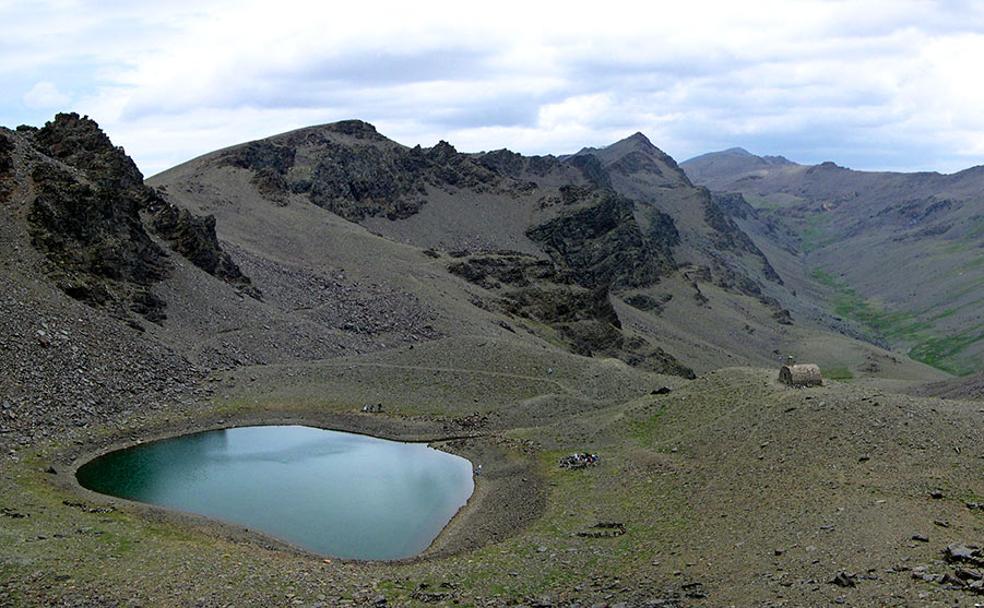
(942, 352)
(762, 203)
(815, 233)
(841, 374)
(848, 303)
(644, 430)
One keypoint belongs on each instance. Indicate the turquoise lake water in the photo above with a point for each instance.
(333, 493)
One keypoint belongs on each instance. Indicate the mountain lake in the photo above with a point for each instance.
(333, 493)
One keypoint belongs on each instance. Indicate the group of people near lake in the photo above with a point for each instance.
(579, 460)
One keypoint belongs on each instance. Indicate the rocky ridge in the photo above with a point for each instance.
(610, 218)
(95, 221)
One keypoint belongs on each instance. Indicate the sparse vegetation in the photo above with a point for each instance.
(941, 352)
(815, 232)
(841, 374)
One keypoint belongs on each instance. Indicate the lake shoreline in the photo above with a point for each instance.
(508, 495)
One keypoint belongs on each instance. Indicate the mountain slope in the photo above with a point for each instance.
(899, 253)
(334, 241)
(508, 309)
(623, 250)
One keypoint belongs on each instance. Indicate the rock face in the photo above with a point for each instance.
(601, 241)
(6, 165)
(580, 314)
(193, 236)
(362, 175)
(96, 243)
(87, 217)
(80, 143)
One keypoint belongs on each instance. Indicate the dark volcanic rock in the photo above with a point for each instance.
(583, 317)
(647, 303)
(96, 243)
(729, 237)
(358, 129)
(91, 229)
(505, 162)
(367, 177)
(270, 163)
(508, 268)
(734, 204)
(258, 155)
(604, 245)
(6, 148)
(357, 182)
(193, 236)
(6, 165)
(592, 170)
(80, 143)
(515, 165)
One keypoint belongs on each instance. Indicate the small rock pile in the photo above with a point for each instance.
(967, 562)
(579, 460)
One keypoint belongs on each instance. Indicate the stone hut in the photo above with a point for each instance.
(800, 375)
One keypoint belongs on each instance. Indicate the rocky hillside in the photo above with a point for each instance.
(897, 253)
(335, 241)
(607, 252)
(92, 217)
(509, 309)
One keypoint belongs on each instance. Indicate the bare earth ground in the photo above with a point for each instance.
(733, 490)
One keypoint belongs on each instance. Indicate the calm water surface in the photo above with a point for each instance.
(334, 493)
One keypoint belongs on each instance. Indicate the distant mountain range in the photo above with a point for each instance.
(900, 253)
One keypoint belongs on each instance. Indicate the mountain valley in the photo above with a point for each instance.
(513, 310)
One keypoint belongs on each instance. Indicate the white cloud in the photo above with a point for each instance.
(45, 95)
(872, 84)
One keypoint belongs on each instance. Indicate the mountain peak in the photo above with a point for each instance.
(636, 140)
(737, 151)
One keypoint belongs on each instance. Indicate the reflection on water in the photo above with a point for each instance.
(335, 493)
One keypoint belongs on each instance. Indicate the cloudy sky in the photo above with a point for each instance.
(870, 85)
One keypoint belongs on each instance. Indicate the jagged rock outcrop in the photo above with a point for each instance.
(729, 237)
(547, 293)
(592, 170)
(6, 165)
(78, 142)
(87, 218)
(648, 303)
(270, 164)
(96, 244)
(515, 165)
(193, 236)
(603, 244)
(363, 176)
